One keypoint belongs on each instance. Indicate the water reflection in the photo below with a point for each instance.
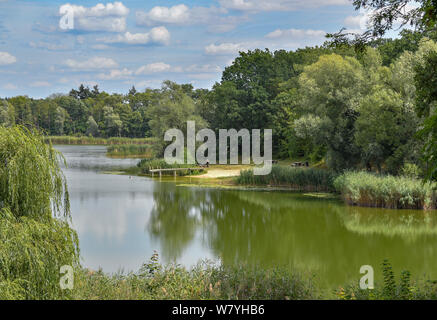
(122, 219)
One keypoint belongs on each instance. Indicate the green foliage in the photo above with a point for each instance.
(426, 80)
(31, 254)
(204, 281)
(84, 140)
(130, 150)
(172, 111)
(366, 189)
(403, 289)
(31, 181)
(331, 90)
(34, 244)
(411, 171)
(304, 179)
(385, 130)
(146, 165)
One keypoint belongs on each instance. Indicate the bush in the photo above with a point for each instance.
(367, 189)
(205, 281)
(305, 179)
(403, 289)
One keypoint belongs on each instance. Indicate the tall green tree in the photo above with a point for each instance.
(331, 90)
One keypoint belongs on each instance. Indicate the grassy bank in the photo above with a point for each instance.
(146, 165)
(203, 282)
(124, 150)
(301, 179)
(84, 140)
(370, 190)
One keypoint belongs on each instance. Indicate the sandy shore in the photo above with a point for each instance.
(220, 173)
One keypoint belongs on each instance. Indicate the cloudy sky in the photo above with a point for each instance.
(51, 46)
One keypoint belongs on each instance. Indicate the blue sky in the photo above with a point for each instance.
(143, 42)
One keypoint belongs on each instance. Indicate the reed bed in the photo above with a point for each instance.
(371, 190)
(301, 179)
(130, 150)
(205, 281)
(85, 140)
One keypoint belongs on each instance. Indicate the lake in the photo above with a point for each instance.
(121, 220)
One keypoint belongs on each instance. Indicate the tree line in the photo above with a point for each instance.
(352, 108)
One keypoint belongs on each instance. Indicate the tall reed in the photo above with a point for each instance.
(371, 190)
(85, 140)
(130, 150)
(305, 179)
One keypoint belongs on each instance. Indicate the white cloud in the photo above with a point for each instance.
(6, 58)
(91, 64)
(206, 68)
(10, 86)
(278, 5)
(157, 67)
(217, 19)
(38, 84)
(48, 46)
(296, 34)
(153, 68)
(116, 74)
(224, 48)
(158, 35)
(100, 46)
(110, 17)
(178, 14)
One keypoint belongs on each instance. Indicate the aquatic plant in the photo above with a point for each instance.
(367, 189)
(87, 140)
(304, 179)
(204, 281)
(130, 150)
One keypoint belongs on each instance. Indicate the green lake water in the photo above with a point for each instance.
(121, 220)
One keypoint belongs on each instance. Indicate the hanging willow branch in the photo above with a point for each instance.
(31, 181)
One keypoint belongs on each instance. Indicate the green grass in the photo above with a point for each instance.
(146, 165)
(85, 140)
(302, 179)
(203, 282)
(144, 150)
(366, 189)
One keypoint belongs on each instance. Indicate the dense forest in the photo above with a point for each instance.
(354, 108)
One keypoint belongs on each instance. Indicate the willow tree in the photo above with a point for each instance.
(35, 236)
(31, 181)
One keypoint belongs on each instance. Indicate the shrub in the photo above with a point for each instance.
(403, 289)
(204, 281)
